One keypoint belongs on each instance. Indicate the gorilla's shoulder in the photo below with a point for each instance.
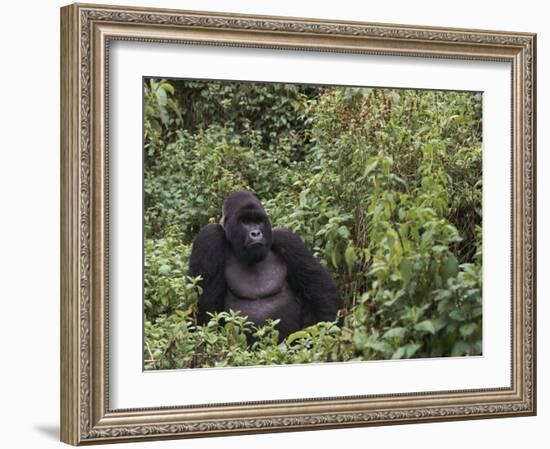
(284, 233)
(212, 230)
(207, 255)
(285, 240)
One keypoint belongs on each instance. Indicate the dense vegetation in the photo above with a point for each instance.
(384, 185)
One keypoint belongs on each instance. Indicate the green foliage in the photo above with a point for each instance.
(384, 185)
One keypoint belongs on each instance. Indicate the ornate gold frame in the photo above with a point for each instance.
(86, 31)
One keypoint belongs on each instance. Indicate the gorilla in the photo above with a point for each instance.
(262, 272)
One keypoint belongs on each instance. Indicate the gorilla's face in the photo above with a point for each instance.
(247, 227)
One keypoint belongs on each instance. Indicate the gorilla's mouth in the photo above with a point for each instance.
(255, 244)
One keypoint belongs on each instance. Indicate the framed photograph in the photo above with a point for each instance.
(281, 224)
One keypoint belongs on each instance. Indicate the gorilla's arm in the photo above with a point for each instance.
(307, 277)
(208, 260)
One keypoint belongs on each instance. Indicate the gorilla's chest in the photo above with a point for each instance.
(261, 291)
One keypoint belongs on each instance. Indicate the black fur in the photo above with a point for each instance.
(245, 237)
(208, 260)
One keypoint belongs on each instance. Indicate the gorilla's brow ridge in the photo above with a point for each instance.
(251, 212)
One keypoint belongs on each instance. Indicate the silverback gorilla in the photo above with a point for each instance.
(262, 272)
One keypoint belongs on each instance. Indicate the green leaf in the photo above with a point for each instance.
(457, 315)
(450, 267)
(168, 88)
(399, 354)
(350, 256)
(164, 269)
(370, 167)
(405, 268)
(396, 332)
(295, 336)
(411, 349)
(442, 294)
(303, 198)
(380, 346)
(360, 339)
(468, 329)
(161, 97)
(460, 348)
(476, 312)
(395, 96)
(184, 313)
(425, 326)
(334, 258)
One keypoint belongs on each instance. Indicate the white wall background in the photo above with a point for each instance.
(29, 221)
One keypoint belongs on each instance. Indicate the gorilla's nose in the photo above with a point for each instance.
(255, 234)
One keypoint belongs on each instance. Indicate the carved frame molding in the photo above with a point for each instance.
(87, 31)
